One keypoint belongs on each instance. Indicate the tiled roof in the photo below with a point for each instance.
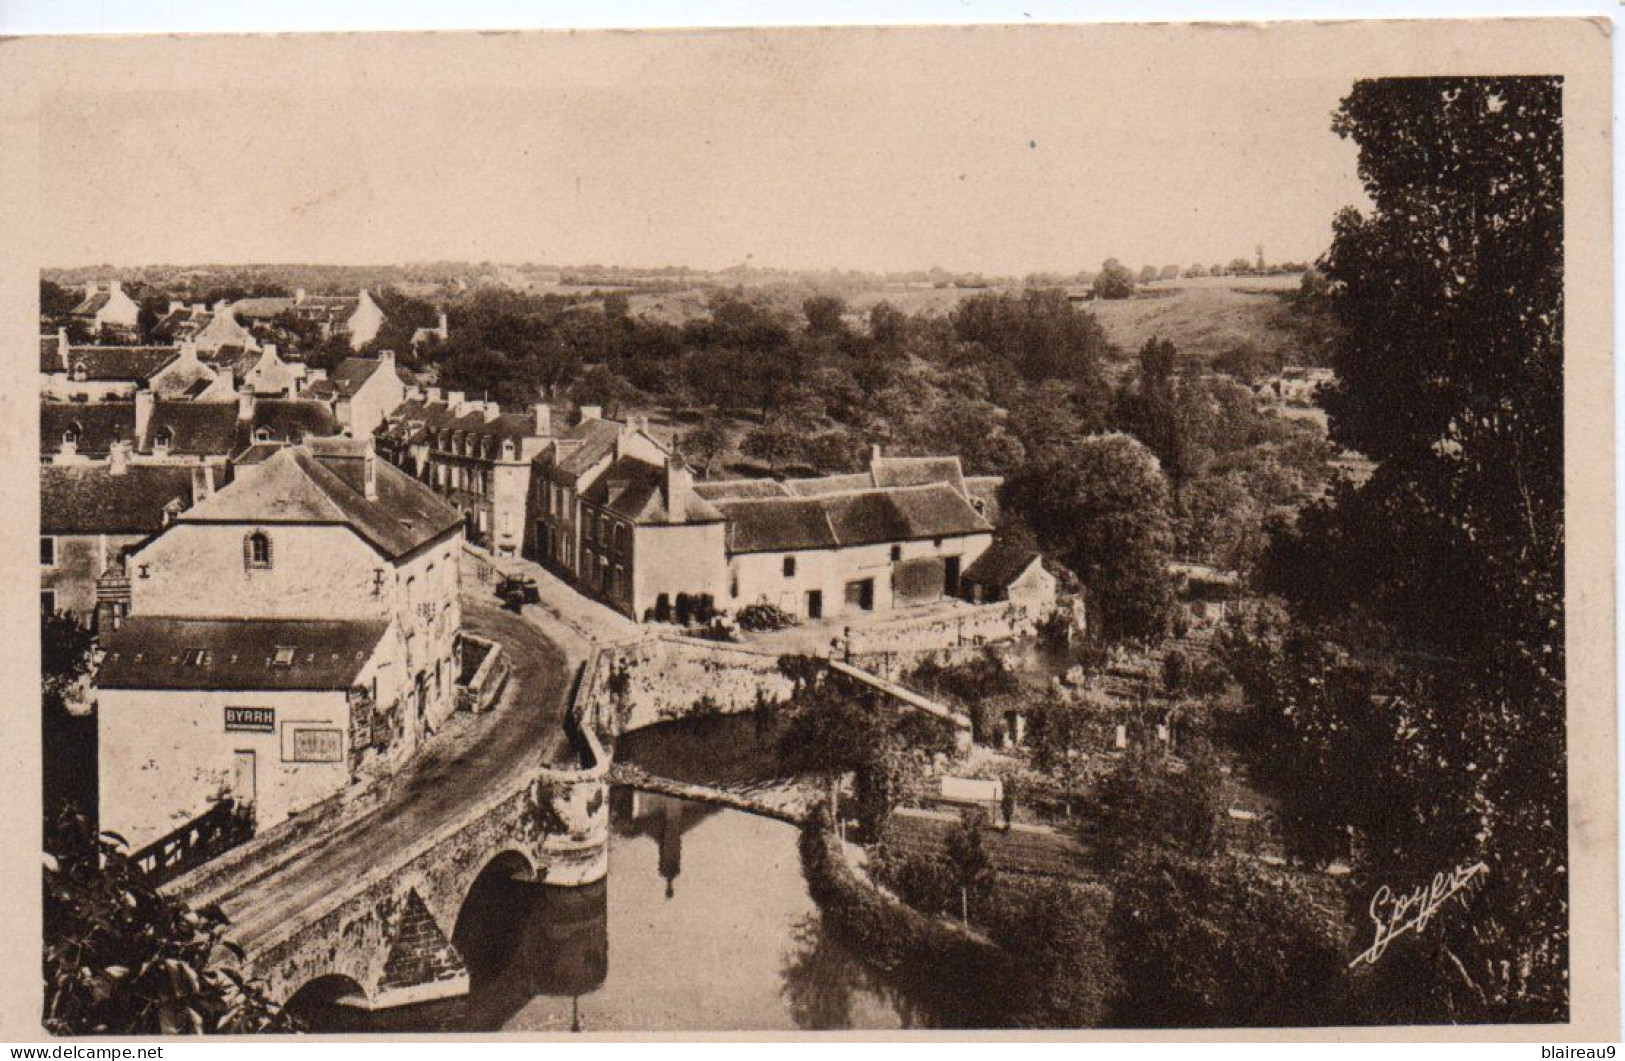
(351, 374)
(152, 652)
(287, 420)
(741, 489)
(120, 363)
(917, 471)
(828, 484)
(985, 489)
(91, 304)
(1001, 563)
(635, 491)
(193, 428)
(90, 499)
(861, 517)
(297, 485)
(99, 425)
(594, 440)
(262, 308)
(258, 453)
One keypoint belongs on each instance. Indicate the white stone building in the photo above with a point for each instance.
(294, 629)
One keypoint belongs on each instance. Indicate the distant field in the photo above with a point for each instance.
(1204, 317)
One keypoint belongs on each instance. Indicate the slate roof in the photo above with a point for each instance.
(1001, 564)
(99, 424)
(842, 520)
(194, 428)
(185, 321)
(120, 363)
(741, 489)
(985, 488)
(635, 490)
(258, 453)
(585, 444)
(81, 499)
(152, 652)
(297, 485)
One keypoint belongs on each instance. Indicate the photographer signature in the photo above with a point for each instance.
(1394, 915)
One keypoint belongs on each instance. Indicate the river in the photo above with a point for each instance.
(704, 923)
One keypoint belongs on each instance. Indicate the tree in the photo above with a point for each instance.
(1114, 280)
(1221, 942)
(1148, 802)
(55, 300)
(1449, 366)
(1169, 272)
(707, 442)
(966, 852)
(825, 315)
(1148, 274)
(68, 741)
(123, 959)
(1196, 270)
(1102, 508)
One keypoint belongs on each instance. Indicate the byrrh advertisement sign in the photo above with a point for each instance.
(250, 720)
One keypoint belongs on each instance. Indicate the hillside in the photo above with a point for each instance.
(1206, 320)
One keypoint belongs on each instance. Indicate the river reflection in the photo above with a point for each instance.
(704, 923)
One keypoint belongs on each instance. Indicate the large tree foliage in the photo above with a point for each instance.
(1437, 586)
(1101, 507)
(121, 958)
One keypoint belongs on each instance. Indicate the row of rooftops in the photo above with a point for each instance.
(181, 428)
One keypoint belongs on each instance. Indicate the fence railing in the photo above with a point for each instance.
(220, 828)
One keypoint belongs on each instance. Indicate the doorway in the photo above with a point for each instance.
(815, 604)
(244, 780)
(950, 576)
(861, 594)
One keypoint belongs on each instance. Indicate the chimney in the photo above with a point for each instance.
(144, 402)
(874, 452)
(638, 423)
(202, 482)
(270, 351)
(679, 484)
(591, 412)
(115, 287)
(369, 473)
(386, 359)
(544, 419)
(492, 411)
(245, 404)
(93, 288)
(62, 347)
(118, 458)
(445, 332)
(188, 350)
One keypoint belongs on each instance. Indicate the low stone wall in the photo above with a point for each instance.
(889, 647)
(665, 678)
(489, 678)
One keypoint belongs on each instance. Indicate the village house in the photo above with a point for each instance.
(71, 372)
(90, 515)
(474, 455)
(106, 309)
(1007, 571)
(439, 333)
(624, 520)
(287, 634)
(362, 391)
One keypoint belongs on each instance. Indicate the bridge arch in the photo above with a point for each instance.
(317, 1000)
(484, 931)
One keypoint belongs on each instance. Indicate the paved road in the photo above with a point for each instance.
(474, 758)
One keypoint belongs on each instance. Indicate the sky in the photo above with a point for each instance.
(1004, 151)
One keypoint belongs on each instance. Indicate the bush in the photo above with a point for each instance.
(763, 616)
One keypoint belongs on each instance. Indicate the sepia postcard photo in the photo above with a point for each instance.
(1006, 531)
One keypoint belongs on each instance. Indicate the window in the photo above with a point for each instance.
(283, 656)
(195, 657)
(47, 552)
(47, 601)
(70, 437)
(896, 553)
(79, 372)
(789, 567)
(257, 550)
(161, 441)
